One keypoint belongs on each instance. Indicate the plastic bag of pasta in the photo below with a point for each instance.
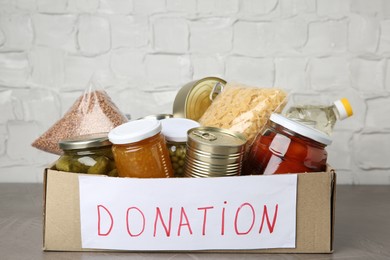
(93, 112)
(244, 109)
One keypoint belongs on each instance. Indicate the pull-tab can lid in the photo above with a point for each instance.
(216, 140)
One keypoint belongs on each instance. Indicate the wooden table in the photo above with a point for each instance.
(362, 228)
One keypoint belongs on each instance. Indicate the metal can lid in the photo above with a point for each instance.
(218, 140)
(195, 97)
(301, 129)
(157, 116)
(134, 131)
(175, 129)
(85, 141)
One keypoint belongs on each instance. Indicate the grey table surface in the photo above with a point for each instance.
(362, 229)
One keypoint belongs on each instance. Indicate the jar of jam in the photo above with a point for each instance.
(87, 154)
(287, 146)
(175, 132)
(139, 150)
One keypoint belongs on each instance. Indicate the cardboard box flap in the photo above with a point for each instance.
(62, 212)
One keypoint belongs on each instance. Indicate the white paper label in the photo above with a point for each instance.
(246, 212)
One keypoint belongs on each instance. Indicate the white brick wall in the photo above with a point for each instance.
(314, 48)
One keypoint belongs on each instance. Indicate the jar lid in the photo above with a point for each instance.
(85, 141)
(301, 129)
(344, 108)
(157, 116)
(134, 131)
(175, 129)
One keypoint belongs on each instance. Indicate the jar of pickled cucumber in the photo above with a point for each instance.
(175, 132)
(87, 154)
(139, 150)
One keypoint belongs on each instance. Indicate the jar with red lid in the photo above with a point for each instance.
(287, 146)
(139, 150)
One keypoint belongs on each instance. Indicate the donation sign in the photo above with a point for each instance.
(241, 212)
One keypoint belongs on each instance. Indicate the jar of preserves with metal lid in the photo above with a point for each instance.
(87, 154)
(287, 146)
(139, 150)
(157, 116)
(175, 132)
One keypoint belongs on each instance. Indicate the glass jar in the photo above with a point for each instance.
(87, 154)
(287, 146)
(139, 150)
(175, 132)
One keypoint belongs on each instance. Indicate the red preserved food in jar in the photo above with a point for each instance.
(139, 150)
(287, 146)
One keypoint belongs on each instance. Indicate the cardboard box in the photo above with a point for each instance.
(314, 216)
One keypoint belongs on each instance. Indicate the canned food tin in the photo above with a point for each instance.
(213, 152)
(195, 97)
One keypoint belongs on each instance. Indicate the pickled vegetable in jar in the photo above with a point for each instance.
(287, 146)
(175, 132)
(87, 154)
(139, 150)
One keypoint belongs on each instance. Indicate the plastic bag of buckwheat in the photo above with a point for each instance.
(92, 112)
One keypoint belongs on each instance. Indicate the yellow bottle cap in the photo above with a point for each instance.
(344, 108)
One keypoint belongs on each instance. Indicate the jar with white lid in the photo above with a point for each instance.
(287, 146)
(139, 150)
(175, 132)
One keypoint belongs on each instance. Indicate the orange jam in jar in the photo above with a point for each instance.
(139, 150)
(287, 146)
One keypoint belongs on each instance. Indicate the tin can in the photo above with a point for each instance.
(214, 152)
(195, 97)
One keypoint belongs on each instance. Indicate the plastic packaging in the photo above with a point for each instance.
(243, 109)
(175, 132)
(140, 151)
(87, 154)
(92, 112)
(323, 117)
(287, 146)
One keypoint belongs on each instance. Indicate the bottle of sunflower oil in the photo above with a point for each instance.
(321, 117)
